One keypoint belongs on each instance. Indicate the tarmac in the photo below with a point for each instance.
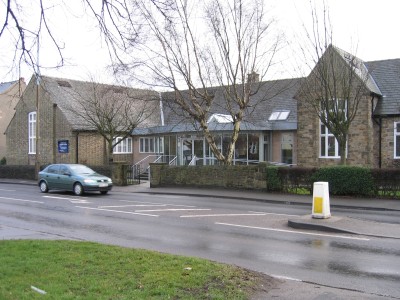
(330, 224)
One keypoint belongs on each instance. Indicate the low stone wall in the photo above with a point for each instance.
(233, 177)
(17, 172)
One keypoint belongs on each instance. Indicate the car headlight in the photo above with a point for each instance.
(89, 181)
(109, 181)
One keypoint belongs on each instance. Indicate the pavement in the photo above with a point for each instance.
(331, 224)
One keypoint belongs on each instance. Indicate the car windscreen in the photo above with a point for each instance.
(80, 169)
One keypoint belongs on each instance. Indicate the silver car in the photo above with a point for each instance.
(73, 177)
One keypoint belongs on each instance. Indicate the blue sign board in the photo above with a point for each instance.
(63, 146)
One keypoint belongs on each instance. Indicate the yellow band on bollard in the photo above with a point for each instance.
(318, 205)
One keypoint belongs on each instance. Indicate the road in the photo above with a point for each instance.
(249, 234)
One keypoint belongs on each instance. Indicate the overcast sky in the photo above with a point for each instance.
(367, 28)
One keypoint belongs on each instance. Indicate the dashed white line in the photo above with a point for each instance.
(21, 200)
(275, 214)
(144, 203)
(222, 215)
(62, 198)
(118, 211)
(134, 205)
(292, 231)
(172, 209)
(76, 200)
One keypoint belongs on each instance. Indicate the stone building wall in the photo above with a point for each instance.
(362, 148)
(53, 128)
(8, 100)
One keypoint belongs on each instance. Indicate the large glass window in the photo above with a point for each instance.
(125, 146)
(329, 147)
(396, 139)
(241, 149)
(328, 143)
(287, 148)
(151, 145)
(253, 146)
(32, 133)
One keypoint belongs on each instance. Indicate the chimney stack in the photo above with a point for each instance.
(253, 77)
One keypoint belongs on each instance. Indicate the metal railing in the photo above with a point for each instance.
(143, 166)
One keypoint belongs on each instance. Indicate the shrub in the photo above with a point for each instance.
(346, 180)
(296, 178)
(387, 182)
(3, 161)
(274, 182)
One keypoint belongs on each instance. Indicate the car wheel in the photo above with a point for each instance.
(78, 189)
(103, 192)
(44, 188)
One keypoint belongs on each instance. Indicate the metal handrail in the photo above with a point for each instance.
(173, 161)
(193, 161)
(143, 165)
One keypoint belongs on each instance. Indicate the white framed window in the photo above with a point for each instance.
(396, 139)
(151, 145)
(125, 146)
(329, 147)
(32, 132)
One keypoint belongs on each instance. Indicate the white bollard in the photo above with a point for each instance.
(321, 207)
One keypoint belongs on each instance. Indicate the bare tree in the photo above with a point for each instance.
(337, 83)
(27, 26)
(193, 47)
(114, 111)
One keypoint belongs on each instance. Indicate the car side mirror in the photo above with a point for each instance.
(67, 173)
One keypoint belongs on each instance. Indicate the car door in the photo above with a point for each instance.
(52, 176)
(66, 179)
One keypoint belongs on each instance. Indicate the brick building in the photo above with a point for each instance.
(57, 134)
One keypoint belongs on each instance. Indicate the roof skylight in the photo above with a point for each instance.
(279, 115)
(220, 118)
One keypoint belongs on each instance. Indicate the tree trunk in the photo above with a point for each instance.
(342, 147)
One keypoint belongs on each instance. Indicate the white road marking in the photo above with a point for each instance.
(144, 203)
(134, 205)
(7, 190)
(21, 200)
(286, 278)
(275, 214)
(172, 209)
(223, 215)
(80, 201)
(296, 232)
(72, 200)
(117, 211)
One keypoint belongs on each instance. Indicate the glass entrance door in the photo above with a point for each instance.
(192, 151)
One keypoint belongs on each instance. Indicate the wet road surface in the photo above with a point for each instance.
(249, 234)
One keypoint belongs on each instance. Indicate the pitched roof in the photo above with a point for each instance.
(387, 77)
(66, 93)
(271, 96)
(4, 86)
(360, 69)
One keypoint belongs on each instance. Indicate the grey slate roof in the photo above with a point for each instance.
(4, 86)
(271, 96)
(387, 77)
(66, 94)
(362, 71)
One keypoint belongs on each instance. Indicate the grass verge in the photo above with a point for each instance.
(35, 269)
